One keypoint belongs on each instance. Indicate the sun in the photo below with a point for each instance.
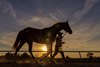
(44, 48)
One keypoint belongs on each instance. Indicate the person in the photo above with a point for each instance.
(58, 46)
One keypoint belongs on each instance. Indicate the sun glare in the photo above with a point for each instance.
(44, 48)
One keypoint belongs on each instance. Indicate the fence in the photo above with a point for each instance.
(79, 52)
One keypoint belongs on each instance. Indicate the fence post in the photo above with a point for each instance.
(80, 54)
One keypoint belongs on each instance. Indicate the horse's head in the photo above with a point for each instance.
(66, 27)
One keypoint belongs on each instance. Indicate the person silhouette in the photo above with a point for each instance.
(58, 46)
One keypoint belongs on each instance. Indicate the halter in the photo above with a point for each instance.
(66, 42)
(64, 35)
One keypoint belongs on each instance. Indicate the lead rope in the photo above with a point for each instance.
(66, 42)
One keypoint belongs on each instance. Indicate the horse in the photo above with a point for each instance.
(43, 36)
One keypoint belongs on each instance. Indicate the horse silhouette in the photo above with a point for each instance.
(44, 36)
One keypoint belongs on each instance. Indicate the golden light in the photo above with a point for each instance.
(44, 48)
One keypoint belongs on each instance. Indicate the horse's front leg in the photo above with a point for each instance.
(48, 52)
(49, 49)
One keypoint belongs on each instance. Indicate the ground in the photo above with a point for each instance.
(69, 64)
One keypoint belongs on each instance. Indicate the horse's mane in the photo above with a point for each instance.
(57, 25)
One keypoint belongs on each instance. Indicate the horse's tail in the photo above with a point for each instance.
(17, 41)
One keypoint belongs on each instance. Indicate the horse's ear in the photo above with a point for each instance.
(67, 21)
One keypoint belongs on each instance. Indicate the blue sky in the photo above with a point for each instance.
(83, 15)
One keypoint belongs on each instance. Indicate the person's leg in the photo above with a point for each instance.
(55, 52)
(63, 56)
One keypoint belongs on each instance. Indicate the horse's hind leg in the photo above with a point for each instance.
(30, 51)
(18, 48)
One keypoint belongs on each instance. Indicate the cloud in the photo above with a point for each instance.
(86, 32)
(37, 22)
(86, 8)
(58, 15)
(79, 39)
(6, 7)
(43, 21)
(84, 37)
(8, 39)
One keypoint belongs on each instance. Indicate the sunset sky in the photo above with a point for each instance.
(83, 15)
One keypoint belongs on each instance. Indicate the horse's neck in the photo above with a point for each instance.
(57, 27)
(53, 29)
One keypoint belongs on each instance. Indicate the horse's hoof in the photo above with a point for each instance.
(41, 59)
(53, 62)
(14, 62)
(36, 62)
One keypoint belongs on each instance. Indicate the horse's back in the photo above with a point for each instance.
(31, 34)
(31, 29)
(37, 35)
